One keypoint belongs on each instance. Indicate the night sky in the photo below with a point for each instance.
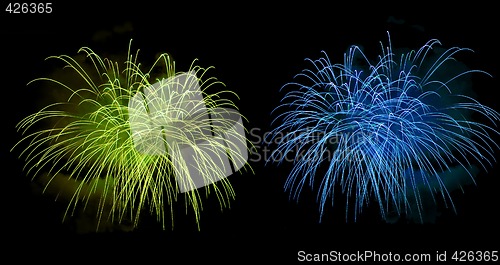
(255, 50)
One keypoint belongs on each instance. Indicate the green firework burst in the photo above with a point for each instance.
(103, 138)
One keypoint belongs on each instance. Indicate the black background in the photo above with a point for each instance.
(255, 48)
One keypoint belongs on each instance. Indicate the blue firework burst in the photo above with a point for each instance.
(388, 131)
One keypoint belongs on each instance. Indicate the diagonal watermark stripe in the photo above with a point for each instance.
(204, 144)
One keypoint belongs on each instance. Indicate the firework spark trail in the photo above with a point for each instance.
(385, 130)
(90, 137)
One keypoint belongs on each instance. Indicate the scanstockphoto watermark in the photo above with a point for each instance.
(365, 256)
(308, 144)
(439, 256)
